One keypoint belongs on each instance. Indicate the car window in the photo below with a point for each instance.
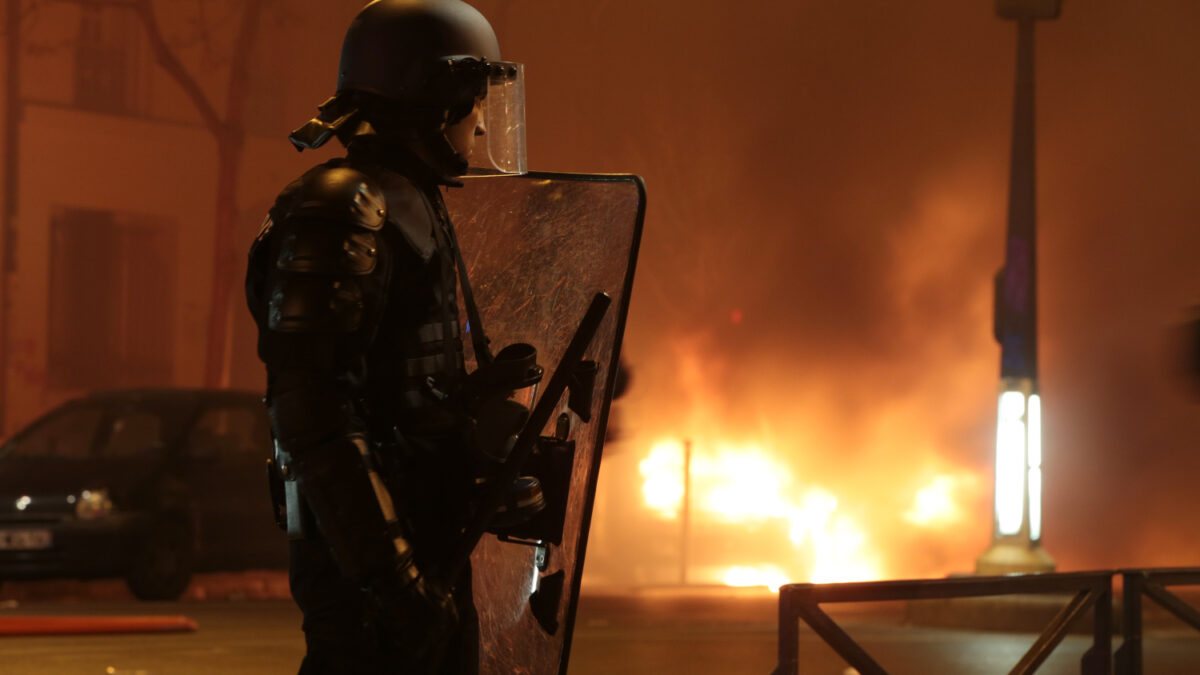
(133, 433)
(69, 433)
(229, 431)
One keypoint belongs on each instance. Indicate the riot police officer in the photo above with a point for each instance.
(352, 283)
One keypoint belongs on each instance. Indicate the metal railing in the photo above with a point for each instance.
(1151, 583)
(1092, 590)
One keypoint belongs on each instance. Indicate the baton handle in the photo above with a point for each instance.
(538, 418)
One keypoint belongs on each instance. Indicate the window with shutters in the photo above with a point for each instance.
(112, 290)
(106, 59)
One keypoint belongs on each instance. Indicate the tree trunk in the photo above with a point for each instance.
(231, 140)
(216, 361)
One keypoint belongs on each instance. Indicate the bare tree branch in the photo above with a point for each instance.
(165, 57)
(171, 63)
(239, 73)
(221, 25)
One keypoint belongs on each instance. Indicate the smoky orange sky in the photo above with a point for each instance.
(827, 190)
(837, 174)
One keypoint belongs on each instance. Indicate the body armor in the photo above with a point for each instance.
(359, 255)
(352, 284)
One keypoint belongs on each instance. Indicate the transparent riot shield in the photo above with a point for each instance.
(538, 247)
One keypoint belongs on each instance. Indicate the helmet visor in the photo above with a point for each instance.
(504, 121)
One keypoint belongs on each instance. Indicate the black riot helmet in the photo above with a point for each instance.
(410, 67)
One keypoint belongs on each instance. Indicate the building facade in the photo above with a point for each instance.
(113, 236)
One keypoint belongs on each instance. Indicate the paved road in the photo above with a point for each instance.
(689, 646)
(234, 638)
(260, 637)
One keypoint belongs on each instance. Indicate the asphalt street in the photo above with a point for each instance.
(638, 634)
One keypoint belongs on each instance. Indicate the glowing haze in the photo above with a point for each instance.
(827, 186)
(827, 197)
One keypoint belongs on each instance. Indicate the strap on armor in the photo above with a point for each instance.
(479, 340)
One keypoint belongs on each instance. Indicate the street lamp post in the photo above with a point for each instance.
(1017, 518)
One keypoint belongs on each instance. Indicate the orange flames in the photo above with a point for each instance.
(744, 486)
(814, 458)
(934, 505)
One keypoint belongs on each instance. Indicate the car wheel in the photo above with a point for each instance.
(162, 564)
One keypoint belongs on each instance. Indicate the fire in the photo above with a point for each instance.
(766, 502)
(662, 471)
(764, 575)
(839, 544)
(743, 484)
(934, 505)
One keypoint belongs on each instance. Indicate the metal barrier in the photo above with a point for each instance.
(1092, 590)
(1151, 583)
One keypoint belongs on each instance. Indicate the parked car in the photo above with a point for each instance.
(148, 484)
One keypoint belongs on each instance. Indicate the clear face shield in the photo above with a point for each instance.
(503, 150)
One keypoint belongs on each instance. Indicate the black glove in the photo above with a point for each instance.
(416, 623)
(498, 422)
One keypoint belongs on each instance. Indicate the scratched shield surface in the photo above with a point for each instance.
(537, 248)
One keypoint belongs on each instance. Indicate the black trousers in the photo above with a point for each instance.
(344, 638)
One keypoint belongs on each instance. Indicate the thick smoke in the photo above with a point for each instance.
(828, 190)
(827, 197)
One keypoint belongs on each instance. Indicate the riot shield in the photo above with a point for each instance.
(537, 248)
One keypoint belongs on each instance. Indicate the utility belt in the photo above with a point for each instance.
(444, 458)
(415, 470)
(291, 513)
(420, 473)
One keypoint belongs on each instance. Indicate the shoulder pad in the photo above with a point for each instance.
(411, 213)
(330, 223)
(339, 194)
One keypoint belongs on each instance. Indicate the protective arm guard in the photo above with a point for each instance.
(317, 292)
(341, 486)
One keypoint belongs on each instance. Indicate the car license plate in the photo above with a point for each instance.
(25, 540)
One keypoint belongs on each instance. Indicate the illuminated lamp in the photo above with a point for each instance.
(1017, 508)
(1017, 516)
